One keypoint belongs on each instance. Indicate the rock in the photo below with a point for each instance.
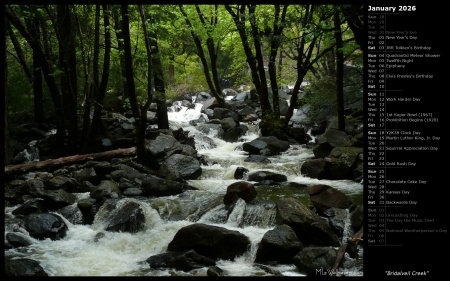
(266, 175)
(17, 240)
(87, 174)
(314, 260)
(279, 244)
(240, 172)
(162, 148)
(179, 166)
(228, 123)
(180, 260)
(154, 186)
(34, 205)
(106, 189)
(257, 159)
(222, 113)
(125, 171)
(45, 225)
(298, 134)
(23, 267)
(72, 213)
(215, 271)
(202, 97)
(61, 182)
(214, 130)
(210, 241)
(127, 217)
(324, 197)
(309, 227)
(53, 199)
(315, 168)
(356, 217)
(266, 146)
(232, 134)
(240, 189)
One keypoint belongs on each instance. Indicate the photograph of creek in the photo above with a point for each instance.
(184, 140)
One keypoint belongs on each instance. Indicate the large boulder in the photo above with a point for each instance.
(182, 260)
(316, 168)
(106, 189)
(330, 139)
(17, 239)
(309, 226)
(162, 148)
(45, 225)
(325, 197)
(33, 205)
(266, 146)
(222, 113)
(316, 261)
(210, 104)
(259, 176)
(23, 267)
(240, 189)
(53, 199)
(347, 160)
(180, 167)
(211, 241)
(280, 244)
(155, 186)
(125, 171)
(127, 217)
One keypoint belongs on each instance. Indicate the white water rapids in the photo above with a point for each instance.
(80, 253)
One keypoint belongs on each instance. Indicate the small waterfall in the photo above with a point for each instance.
(104, 214)
(31, 154)
(237, 215)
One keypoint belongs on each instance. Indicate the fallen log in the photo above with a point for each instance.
(68, 160)
(350, 247)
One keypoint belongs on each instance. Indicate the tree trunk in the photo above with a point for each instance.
(35, 78)
(38, 97)
(239, 20)
(266, 109)
(140, 139)
(68, 62)
(350, 247)
(160, 92)
(171, 78)
(7, 156)
(19, 51)
(120, 48)
(212, 51)
(303, 64)
(69, 160)
(85, 56)
(354, 15)
(339, 72)
(96, 127)
(140, 148)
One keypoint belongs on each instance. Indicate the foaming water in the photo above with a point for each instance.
(90, 250)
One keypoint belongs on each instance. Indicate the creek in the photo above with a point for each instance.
(83, 253)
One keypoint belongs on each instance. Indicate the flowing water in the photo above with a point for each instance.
(83, 252)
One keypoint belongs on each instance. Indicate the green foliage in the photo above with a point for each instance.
(322, 92)
(321, 97)
(273, 125)
(19, 91)
(177, 49)
(126, 104)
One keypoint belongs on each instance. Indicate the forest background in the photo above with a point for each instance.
(68, 64)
